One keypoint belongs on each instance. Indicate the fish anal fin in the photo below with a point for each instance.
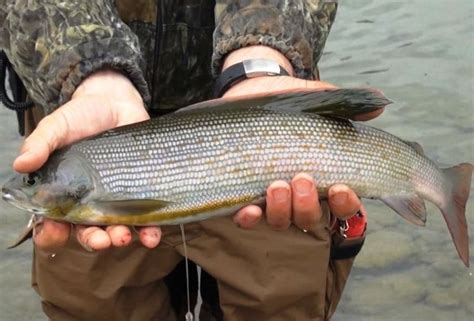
(129, 206)
(411, 208)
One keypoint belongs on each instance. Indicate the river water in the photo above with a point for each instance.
(420, 53)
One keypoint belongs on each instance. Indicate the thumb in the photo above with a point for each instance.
(79, 118)
(48, 135)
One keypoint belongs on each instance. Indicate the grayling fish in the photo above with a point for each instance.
(216, 157)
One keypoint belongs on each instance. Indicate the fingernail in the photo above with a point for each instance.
(25, 154)
(280, 194)
(152, 240)
(303, 186)
(252, 219)
(87, 247)
(340, 198)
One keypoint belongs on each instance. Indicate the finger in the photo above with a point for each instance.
(306, 207)
(150, 236)
(317, 84)
(343, 202)
(248, 216)
(71, 122)
(45, 138)
(120, 235)
(93, 238)
(278, 209)
(370, 115)
(51, 235)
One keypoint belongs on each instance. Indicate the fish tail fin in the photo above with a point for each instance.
(454, 210)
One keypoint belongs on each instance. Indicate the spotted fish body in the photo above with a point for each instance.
(206, 162)
(196, 161)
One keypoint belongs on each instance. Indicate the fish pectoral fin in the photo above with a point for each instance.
(129, 206)
(343, 102)
(24, 235)
(410, 208)
(417, 147)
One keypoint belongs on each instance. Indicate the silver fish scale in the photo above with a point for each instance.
(195, 158)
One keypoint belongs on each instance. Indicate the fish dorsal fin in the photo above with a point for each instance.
(411, 208)
(129, 206)
(344, 102)
(417, 147)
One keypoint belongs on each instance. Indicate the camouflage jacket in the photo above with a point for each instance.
(169, 48)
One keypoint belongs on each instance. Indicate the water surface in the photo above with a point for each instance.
(420, 53)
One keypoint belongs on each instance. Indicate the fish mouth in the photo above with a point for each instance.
(19, 200)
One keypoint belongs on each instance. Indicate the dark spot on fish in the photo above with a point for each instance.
(345, 58)
(301, 135)
(235, 170)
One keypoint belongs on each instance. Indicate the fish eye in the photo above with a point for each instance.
(31, 179)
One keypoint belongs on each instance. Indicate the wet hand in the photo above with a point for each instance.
(296, 202)
(104, 100)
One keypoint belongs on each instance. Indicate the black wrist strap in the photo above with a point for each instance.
(244, 70)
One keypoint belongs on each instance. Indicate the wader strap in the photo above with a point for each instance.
(19, 103)
(346, 248)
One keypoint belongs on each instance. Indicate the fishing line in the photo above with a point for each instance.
(189, 315)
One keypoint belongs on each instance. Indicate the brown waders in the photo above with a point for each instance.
(261, 274)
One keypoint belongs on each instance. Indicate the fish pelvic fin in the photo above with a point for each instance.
(129, 207)
(411, 208)
(454, 210)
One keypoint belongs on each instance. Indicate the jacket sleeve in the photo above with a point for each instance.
(297, 28)
(53, 45)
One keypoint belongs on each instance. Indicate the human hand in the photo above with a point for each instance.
(295, 202)
(104, 100)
